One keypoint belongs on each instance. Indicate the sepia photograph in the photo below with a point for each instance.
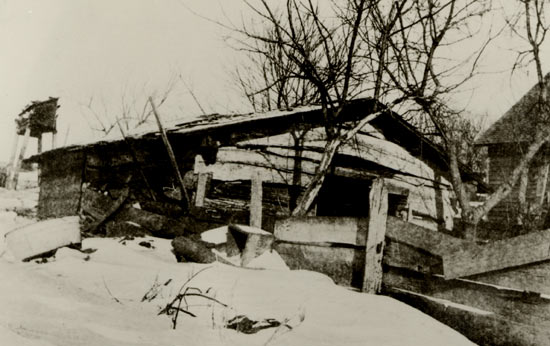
(274, 172)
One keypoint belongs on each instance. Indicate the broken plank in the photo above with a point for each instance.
(378, 212)
(501, 254)
(91, 228)
(517, 305)
(531, 277)
(482, 327)
(435, 242)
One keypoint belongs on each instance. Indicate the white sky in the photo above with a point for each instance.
(104, 49)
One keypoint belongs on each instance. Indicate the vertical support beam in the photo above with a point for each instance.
(542, 180)
(12, 183)
(11, 164)
(201, 189)
(378, 201)
(39, 144)
(54, 138)
(183, 190)
(522, 196)
(256, 196)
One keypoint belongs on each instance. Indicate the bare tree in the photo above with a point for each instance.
(384, 49)
(534, 31)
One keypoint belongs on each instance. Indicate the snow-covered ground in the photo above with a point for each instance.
(96, 298)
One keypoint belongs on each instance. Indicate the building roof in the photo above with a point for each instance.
(231, 129)
(519, 123)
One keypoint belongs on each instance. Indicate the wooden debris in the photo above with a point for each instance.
(501, 254)
(201, 188)
(481, 327)
(243, 324)
(256, 241)
(517, 305)
(184, 194)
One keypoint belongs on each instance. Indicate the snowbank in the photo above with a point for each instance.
(96, 299)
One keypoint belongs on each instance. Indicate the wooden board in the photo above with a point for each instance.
(481, 327)
(378, 212)
(352, 231)
(475, 259)
(343, 265)
(534, 277)
(517, 305)
(320, 229)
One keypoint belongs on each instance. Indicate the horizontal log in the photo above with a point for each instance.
(323, 229)
(353, 231)
(501, 254)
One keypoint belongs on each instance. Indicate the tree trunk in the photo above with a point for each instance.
(472, 216)
(308, 197)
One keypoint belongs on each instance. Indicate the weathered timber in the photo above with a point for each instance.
(125, 229)
(533, 277)
(349, 230)
(200, 194)
(378, 202)
(170, 209)
(256, 198)
(257, 241)
(189, 250)
(343, 230)
(179, 178)
(501, 254)
(399, 255)
(155, 224)
(344, 265)
(516, 305)
(60, 186)
(481, 327)
(102, 217)
(437, 243)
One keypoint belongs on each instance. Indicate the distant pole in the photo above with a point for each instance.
(170, 151)
(39, 144)
(12, 183)
(54, 139)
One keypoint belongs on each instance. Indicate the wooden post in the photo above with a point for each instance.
(378, 201)
(11, 164)
(201, 189)
(256, 200)
(12, 182)
(39, 144)
(54, 138)
(172, 156)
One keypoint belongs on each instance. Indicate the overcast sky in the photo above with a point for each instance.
(102, 50)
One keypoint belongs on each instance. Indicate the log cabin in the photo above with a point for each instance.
(506, 141)
(222, 158)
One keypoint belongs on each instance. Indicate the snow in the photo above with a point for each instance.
(216, 235)
(94, 297)
(268, 260)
